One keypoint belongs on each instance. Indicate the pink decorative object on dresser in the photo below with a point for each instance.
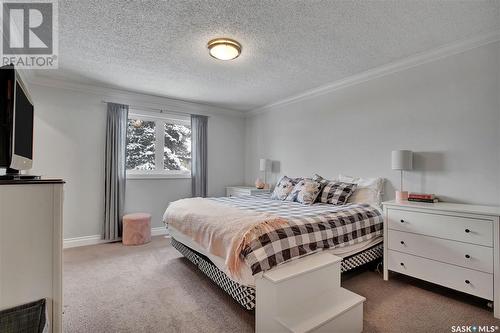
(259, 184)
(136, 229)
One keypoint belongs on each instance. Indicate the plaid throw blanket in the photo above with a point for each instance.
(310, 229)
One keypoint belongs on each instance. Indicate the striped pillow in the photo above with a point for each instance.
(337, 193)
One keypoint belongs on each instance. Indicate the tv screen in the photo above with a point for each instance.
(16, 124)
(7, 79)
(23, 124)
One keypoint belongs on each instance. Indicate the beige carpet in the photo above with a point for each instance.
(152, 288)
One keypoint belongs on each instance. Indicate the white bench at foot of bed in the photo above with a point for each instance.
(305, 296)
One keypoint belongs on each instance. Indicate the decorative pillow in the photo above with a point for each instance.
(337, 193)
(320, 179)
(368, 190)
(323, 182)
(305, 191)
(283, 188)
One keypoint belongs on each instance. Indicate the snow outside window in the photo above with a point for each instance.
(158, 145)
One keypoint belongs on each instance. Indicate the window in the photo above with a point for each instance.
(158, 145)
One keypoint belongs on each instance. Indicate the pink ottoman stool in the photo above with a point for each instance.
(136, 229)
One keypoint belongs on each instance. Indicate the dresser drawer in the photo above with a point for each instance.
(457, 253)
(480, 284)
(476, 231)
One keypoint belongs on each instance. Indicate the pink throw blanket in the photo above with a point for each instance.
(221, 229)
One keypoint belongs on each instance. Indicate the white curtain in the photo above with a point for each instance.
(199, 155)
(116, 141)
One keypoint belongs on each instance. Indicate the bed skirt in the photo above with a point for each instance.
(245, 295)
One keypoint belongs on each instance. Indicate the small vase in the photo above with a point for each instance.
(401, 196)
(259, 183)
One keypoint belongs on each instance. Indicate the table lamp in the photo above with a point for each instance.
(402, 160)
(264, 167)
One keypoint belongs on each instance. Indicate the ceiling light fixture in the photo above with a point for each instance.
(224, 48)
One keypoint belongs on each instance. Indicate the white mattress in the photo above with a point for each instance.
(246, 277)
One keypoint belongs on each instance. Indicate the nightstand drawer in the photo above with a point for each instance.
(457, 253)
(237, 192)
(466, 280)
(464, 229)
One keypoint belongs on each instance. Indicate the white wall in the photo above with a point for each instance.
(447, 111)
(69, 143)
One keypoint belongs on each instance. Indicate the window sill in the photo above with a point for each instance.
(158, 176)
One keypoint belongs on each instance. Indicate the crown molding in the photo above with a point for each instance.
(393, 67)
(134, 98)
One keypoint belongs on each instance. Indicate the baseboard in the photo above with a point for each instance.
(97, 239)
(83, 241)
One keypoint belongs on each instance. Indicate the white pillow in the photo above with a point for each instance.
(369, 190)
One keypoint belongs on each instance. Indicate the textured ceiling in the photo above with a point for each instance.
(159, 47)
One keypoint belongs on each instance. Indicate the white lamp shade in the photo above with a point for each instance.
(264, 164)
(402, 160)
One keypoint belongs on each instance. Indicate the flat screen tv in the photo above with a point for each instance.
(16, 123)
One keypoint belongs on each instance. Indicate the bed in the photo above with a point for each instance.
(235, 240)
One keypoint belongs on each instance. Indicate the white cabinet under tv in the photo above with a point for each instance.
(31, 245)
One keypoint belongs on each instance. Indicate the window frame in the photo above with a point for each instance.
(160, 119)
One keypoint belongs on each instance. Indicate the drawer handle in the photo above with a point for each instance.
(467, 256)
(467, 230)
(402, 221)
(402, 264)
(402, 243)
(467, 281)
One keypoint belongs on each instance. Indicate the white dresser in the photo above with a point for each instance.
(452, 245)
(236, 191)
(31, 245)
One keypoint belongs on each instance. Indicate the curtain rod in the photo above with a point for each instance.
(145, 108)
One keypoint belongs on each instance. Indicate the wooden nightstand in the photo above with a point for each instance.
(236, 191)
(452, 245)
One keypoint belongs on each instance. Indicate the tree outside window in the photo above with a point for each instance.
(158, 145)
